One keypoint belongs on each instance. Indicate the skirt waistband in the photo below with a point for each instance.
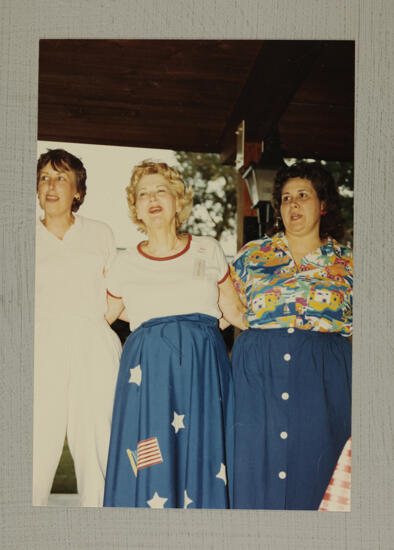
(191, 317)
(169, 329)
(297, 334)
(280, 341)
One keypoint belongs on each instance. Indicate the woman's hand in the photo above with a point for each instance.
(231, 306)
(223, 324)
(115, 309)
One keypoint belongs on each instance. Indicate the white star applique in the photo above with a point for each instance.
(177, 423)
(156, 501)
(187, 500)
(222, 473)
(135, 375)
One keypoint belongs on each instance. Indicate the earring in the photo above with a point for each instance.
(323, 212)
(277, 221)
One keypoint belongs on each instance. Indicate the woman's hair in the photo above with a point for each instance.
(174, 178)
(331, 224)
(60, 159)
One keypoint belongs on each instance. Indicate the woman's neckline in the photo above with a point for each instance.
(326, 241)
(299, 261)
(75, 222)
(165, 258)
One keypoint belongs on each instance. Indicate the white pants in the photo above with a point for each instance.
(75, 374)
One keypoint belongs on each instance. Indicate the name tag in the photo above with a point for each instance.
(199, 268)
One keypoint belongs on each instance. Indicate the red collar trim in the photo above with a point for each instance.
(189, 240)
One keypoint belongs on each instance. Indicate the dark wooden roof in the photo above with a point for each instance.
(191, 94)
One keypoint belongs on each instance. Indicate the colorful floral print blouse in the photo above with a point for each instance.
(318, 295)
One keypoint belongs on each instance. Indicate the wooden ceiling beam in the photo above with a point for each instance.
(278, 71)
(191, 94)
(122, 91)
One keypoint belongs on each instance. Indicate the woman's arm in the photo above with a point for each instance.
(115, 308)
(231, 306)
(123, 316)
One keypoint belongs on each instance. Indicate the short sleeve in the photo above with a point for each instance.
(221, 262)
(345, 257)
(113, 278)
(239, 271)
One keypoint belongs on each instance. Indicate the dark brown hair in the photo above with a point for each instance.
(61, 159)
(332, 224)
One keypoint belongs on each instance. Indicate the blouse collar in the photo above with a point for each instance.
(280, 241)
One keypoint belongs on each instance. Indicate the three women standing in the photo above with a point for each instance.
(172, 440)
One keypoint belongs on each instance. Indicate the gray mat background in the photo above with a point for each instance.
(370, 23)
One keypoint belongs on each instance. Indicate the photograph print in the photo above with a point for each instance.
(194, 274)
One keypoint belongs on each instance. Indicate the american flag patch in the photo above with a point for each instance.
(147, 454)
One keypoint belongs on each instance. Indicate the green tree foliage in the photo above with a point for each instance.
(214, 189)
(343, 175)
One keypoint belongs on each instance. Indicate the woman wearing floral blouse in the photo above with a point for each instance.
(292, 367)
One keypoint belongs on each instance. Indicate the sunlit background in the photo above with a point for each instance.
(108, 174)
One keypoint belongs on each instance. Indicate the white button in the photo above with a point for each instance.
(287, 357)
(282, 475)
(290, 330)
(283, 435)
(285, 395)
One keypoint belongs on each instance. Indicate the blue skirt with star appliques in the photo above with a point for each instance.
(171, 441)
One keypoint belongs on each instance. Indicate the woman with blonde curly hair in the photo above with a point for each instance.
(171, 443)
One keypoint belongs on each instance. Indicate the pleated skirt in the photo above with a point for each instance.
(292, 416)
(172, 440)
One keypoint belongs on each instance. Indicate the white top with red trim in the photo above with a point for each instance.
(70, 279)
(177, 285)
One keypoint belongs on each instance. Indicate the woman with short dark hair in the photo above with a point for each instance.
(331, 222)
(292, 367)
(76, 352)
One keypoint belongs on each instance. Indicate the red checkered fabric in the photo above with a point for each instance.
(337, 495)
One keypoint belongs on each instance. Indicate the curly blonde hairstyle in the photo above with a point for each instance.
(174, 178)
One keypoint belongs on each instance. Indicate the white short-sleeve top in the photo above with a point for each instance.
(176, 285)
(70, 272)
